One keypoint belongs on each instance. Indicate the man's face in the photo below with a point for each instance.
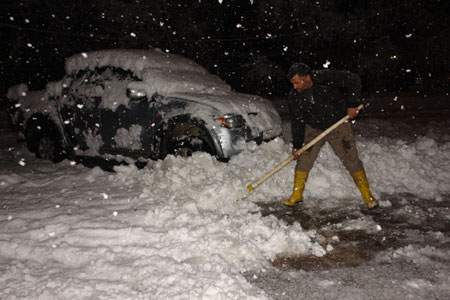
(301, 83)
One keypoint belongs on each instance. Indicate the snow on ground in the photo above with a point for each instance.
(187, 228)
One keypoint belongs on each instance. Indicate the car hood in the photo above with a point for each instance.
(258, 112)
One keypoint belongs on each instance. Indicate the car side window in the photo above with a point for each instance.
(79, 84)
(96, 77)
(122, 74)
(80, 78)
(115, 83)
(89, 85)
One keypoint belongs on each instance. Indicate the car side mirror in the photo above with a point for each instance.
(135, 94)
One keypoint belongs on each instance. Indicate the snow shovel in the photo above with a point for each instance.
(300, 151)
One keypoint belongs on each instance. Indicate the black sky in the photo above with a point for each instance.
(392, 45)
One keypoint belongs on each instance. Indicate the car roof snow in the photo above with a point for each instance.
(133, 60)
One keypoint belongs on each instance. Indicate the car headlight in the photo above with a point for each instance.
(230, 121)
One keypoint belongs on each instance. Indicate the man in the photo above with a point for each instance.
(317, 101)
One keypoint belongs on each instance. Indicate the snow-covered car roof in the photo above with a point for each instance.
(160, 72)
(134, 60)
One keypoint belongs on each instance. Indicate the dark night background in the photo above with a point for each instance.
(395, 46)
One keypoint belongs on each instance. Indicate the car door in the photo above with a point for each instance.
(128, 121)
(80, 110)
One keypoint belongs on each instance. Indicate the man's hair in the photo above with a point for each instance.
(299, 69)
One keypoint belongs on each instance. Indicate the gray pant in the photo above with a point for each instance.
(341, 140)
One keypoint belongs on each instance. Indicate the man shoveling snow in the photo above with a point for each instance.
(316, 103)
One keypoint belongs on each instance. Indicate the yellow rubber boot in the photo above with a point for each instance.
(360, 179)
(299, 187)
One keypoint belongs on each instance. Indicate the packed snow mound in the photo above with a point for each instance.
(200, 186)
(396, 166)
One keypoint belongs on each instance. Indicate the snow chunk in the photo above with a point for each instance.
(17, 91)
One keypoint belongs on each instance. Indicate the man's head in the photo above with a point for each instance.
(299, 75)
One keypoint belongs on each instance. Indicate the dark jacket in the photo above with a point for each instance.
(324, 104)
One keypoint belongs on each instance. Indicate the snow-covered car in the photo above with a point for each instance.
(139, 103)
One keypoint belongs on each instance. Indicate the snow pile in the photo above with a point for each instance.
(179, 229)
(129, 138)
(403, 168)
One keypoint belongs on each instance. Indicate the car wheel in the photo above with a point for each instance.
(186, 147)
(45, 143)
(184, 151)
(46, 148)
(185, 138)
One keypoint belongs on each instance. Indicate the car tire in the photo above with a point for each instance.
(49, 148)
(187, 147)
(45, 143)
(184, 138)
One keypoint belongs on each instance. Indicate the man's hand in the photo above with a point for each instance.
(352, 112)
(294, 151)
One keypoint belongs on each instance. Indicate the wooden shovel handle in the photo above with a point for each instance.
(300, 151)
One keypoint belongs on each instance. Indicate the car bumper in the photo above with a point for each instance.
(231, 142)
